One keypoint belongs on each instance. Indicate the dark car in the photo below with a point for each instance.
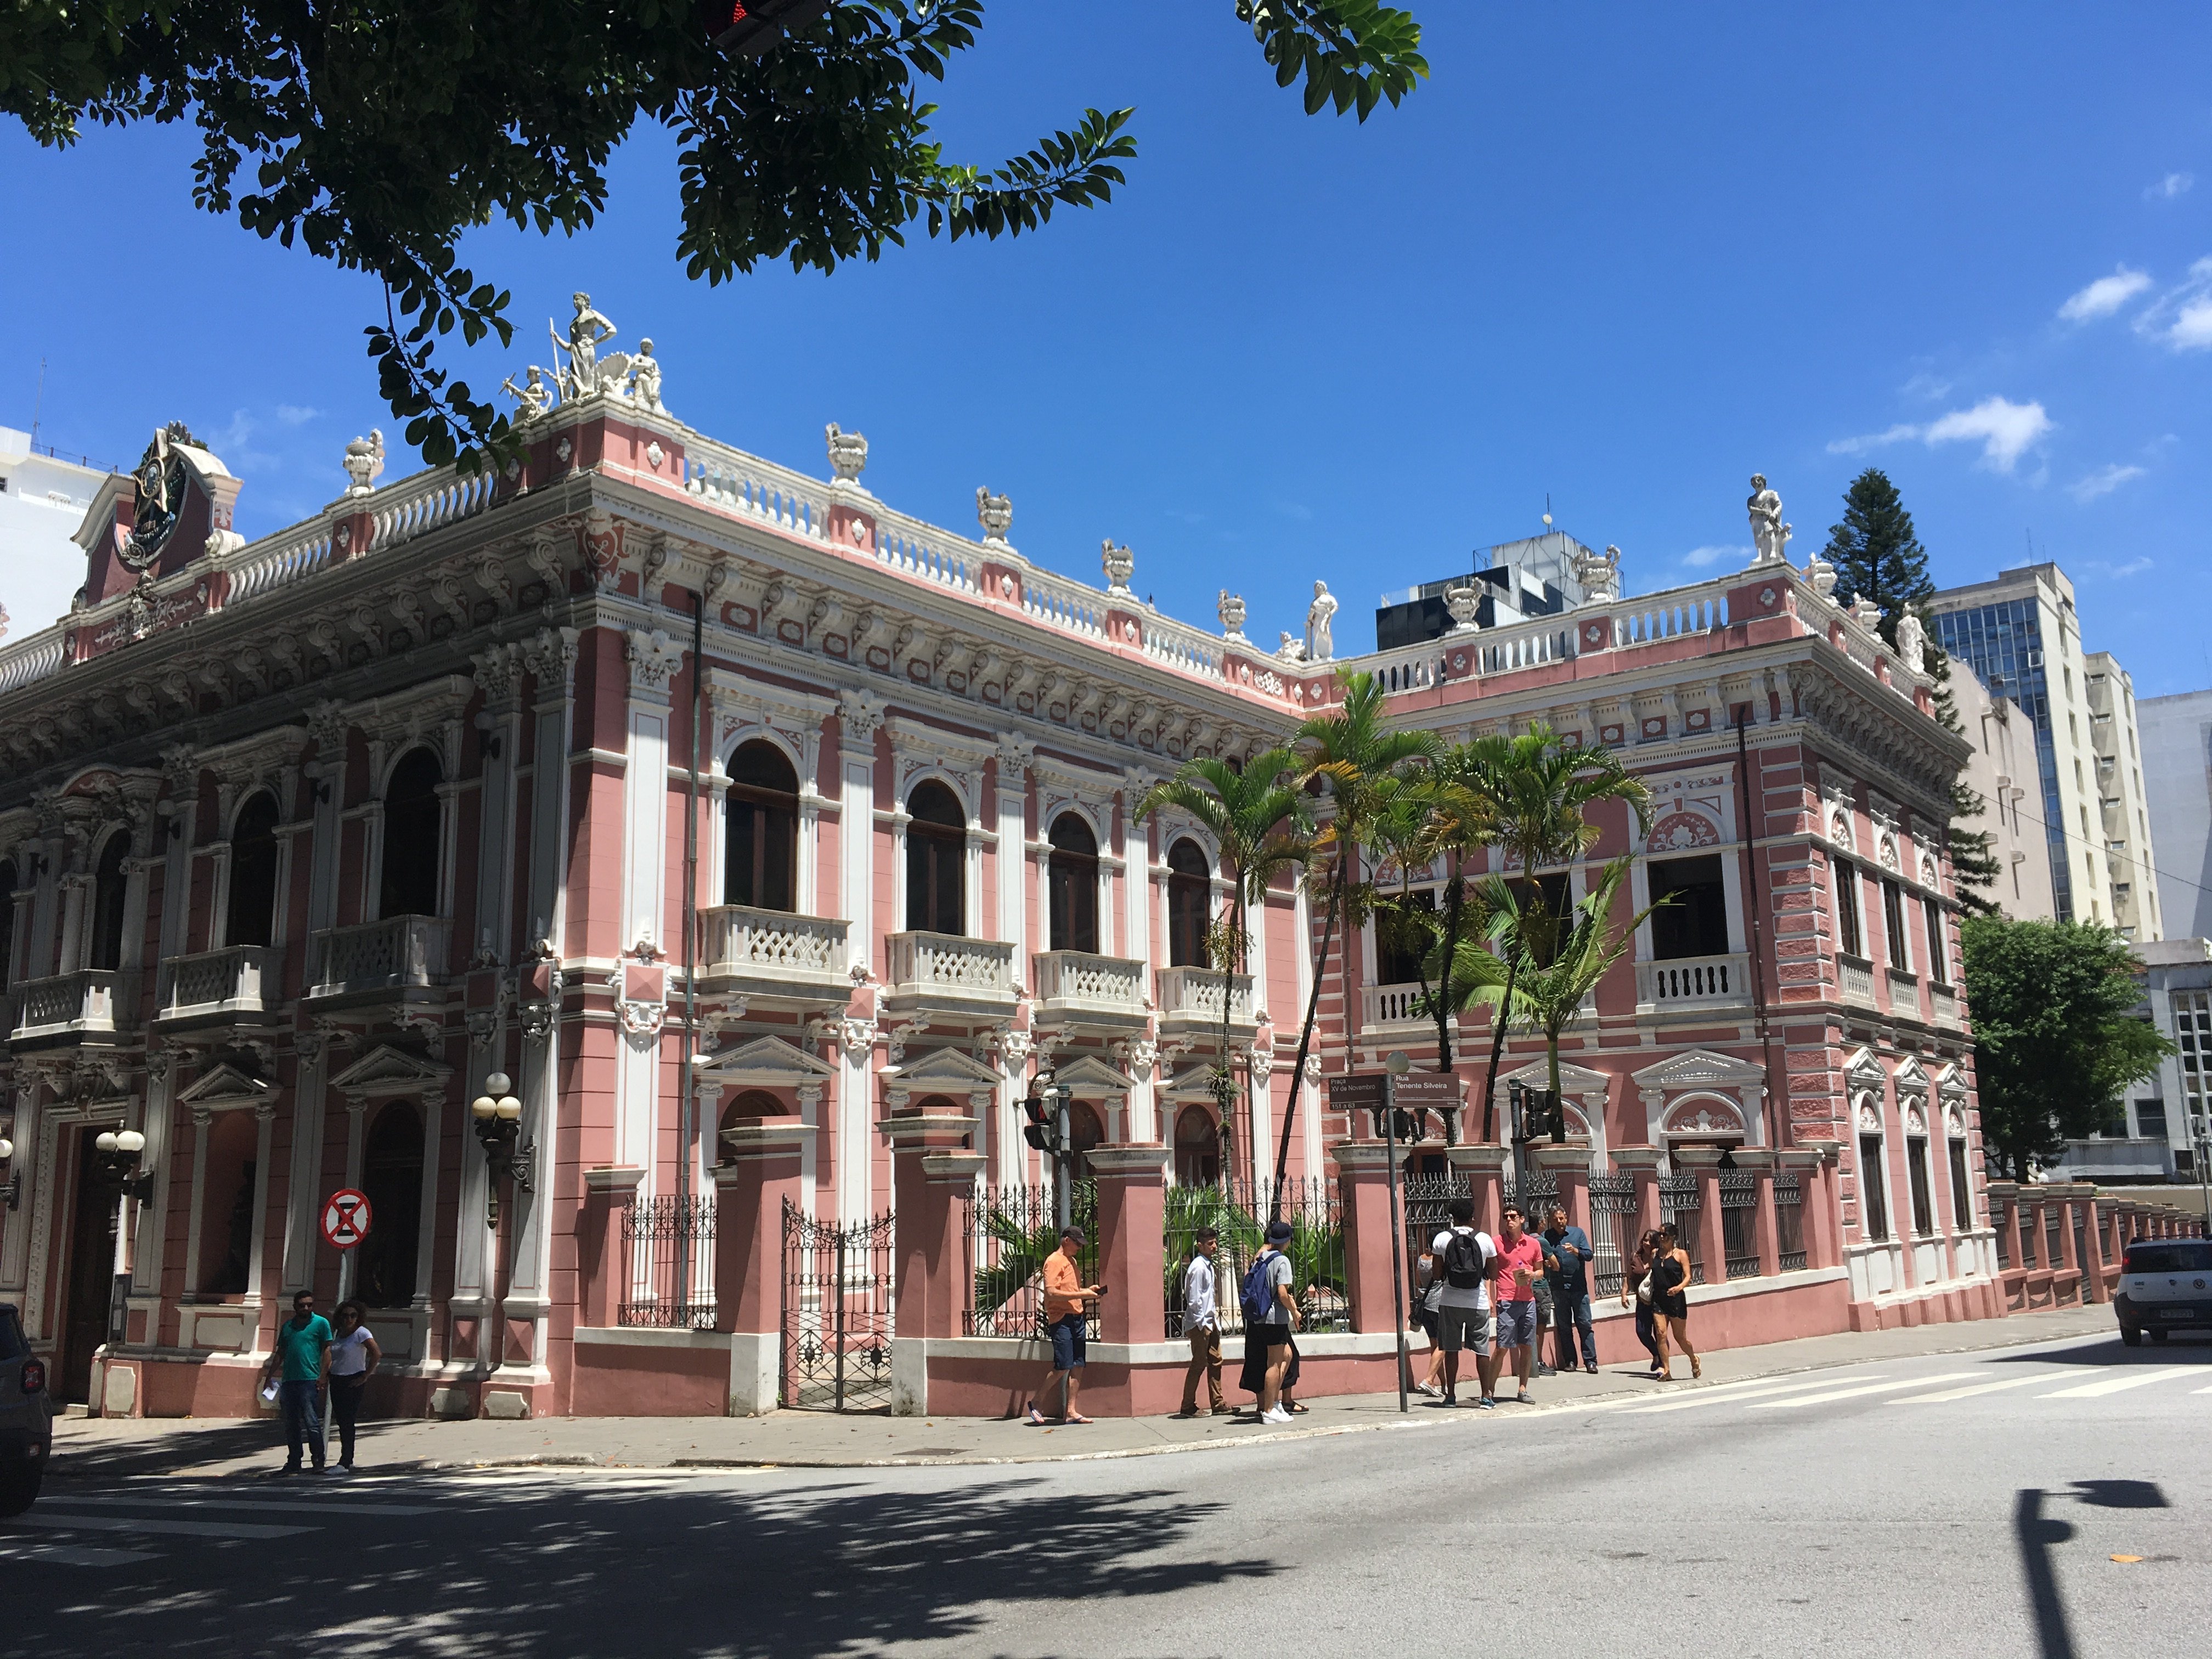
(2166, 1285)
(27, 1421)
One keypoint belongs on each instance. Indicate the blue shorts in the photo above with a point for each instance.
(1068, 1343)
(1516, 1323)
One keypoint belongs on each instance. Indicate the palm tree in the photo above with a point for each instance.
(1547, 998)
(1361, 763)
(1535, 793)
(1255, 817)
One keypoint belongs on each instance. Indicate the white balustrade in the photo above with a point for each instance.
(773, 952)
(755, 488)
(1064, 606)
(1076, 982)
(239, 979)
(1392, 1004)
(1706, 982)
(945, 968)
(1670, 617)
(267, 565)
(396, 953)
(31, 659)
(1944, 1000)
(904, 553)
(414, 507)
(1524, 647)
(93, 999)
(1192, 996)
(1857, 980)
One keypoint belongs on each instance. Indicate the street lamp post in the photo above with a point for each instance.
(14, 1193)
(498, 1122)
(1396, 1066)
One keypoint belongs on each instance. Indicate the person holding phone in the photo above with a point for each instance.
(1066, 1312)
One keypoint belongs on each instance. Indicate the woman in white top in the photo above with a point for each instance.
(353, 1354)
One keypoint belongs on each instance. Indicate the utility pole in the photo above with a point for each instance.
(1397, 1065)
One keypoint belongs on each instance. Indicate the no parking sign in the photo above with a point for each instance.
(345, 1219)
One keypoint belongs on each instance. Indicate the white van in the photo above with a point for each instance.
(2166, 1285)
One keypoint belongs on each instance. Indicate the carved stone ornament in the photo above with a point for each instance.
(1320, 615)
(1822, 575)
(160, 477)
(1463, 603)
(1230, 609)
(1912, 642)
(1767, 535)
(996, 514)
(1867, 613)
(848, 453)
(1119, 564)
(364, 462)
(654, 659)
(1599, 575)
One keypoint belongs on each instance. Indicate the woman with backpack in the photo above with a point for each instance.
(1271, 1308)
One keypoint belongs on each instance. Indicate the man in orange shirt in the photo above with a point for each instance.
(1066, 1313)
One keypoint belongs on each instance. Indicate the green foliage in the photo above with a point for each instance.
(1876, 554)
(375, 133)
(1315, 1249)
(2055, 1033)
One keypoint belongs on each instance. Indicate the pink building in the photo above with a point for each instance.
(311, 842)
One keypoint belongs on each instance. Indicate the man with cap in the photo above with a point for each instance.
(1066, 1312)
(1268, 1339)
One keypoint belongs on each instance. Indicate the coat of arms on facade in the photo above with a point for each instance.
(160, 476)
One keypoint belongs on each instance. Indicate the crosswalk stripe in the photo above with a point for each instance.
(1796, 1400)
(2116, 1384)
(1729, 1393)
(72, 1555)
(181, 1529)
(339, 1507)
(1973, 1390)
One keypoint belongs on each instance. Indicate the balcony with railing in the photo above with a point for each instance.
(1693, 982)
(1856, 979)
(241, 982)
(399, 957)
(1943, 1002)
(93, 1002)
(773, 958)
(1083, 989)
(1384, 1005)
(944, 974)
(1190, 1001)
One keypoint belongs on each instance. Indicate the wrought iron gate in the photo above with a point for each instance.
(837, 1313)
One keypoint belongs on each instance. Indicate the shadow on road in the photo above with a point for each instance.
(552, 1568)
(2036, 1533)
(2182, 1348)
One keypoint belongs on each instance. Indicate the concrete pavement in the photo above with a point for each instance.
(825, 1440)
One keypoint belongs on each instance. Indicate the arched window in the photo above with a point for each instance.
(936, 860)
(1197, 1148)
(392, 1176)
(254, 873)
(761, 828)
(411, 837)
(7, 922)
(750, 1107)
(1073, 880)
(109, 884)
(1190, 893)
(1084, 1131)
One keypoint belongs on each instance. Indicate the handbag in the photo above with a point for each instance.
(1644, 1290)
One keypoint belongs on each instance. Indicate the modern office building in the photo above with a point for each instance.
(1514, 581)
(2003, 772)
(2176, 734)
(2022, 637)
(43, 498)
(2149, 1138)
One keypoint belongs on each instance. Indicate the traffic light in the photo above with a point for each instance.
(1038, 1130)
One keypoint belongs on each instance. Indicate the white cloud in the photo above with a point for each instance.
(2132, 567)
(2106, 296)
(2103, 481)
(2181, 319)
(292, 415)
(2174, 185)
(1698, 557)
(2007, 431)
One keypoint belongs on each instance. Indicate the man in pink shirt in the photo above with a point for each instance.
(1521, 1259)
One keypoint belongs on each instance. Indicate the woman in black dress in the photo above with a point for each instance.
(1670, 1303)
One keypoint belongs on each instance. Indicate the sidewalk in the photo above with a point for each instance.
(87, 1449)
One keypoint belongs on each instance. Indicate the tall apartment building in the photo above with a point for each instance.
(2176, 734)
(2021, 636)
(2003, 772)
(43, 498)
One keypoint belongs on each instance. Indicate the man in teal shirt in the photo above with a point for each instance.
(302, 1349)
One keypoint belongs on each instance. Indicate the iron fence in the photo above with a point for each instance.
(1534, 1195)
(659, 1294)
(835, 1351)
(1790, 1221)
(1425, 1204)
(1613, 1228)
(1740, 1222)
(1678, 1203)
(1238, 1213)
(1010, 1230)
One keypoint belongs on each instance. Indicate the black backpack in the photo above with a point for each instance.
(1464, 1261)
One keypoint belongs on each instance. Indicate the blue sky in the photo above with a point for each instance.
(1619, 256)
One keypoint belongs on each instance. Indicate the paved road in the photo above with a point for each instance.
(1967, 1503)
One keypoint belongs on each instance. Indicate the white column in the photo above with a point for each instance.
(15, 1225)
(302, 1215)
(855, 1148)
(653, 663)
(265, 1118)
(856, 841)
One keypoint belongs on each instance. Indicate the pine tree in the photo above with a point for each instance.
(1876, 553)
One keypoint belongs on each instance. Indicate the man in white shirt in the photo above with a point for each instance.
(1202, 1323)
(1466, 1262)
